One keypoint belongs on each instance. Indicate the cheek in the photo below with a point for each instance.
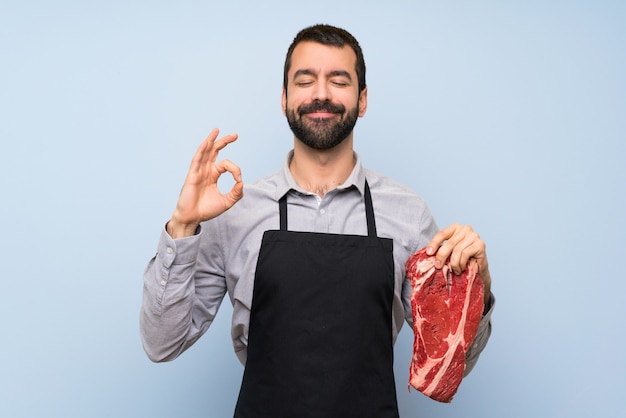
(292, 105)
(349, 99)
(293, 100)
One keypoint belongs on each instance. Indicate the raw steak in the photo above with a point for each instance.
(446, 312)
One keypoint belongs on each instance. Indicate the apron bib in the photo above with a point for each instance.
(320, 337)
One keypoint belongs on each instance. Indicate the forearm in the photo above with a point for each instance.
(172, 316)
(165, 323)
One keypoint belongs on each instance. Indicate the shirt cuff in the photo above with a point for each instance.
(180, 250)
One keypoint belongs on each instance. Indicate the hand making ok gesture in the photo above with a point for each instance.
(200, 199)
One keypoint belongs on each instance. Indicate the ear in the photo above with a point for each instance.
(363, 102)
(283, 101)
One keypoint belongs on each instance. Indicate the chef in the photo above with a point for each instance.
(311, 257)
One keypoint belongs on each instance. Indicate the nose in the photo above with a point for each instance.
(321, 91)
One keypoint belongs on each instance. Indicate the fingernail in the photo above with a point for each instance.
(437, 264)
(429, 250)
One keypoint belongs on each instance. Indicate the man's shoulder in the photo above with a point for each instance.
(387, 187)
(400, 213)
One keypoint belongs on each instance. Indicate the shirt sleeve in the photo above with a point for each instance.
(180, 300)
(482, 336)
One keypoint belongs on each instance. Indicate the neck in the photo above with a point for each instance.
(319, 171)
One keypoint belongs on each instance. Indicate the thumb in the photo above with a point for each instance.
(236, 193)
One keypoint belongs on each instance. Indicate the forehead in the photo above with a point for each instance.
(320, 58)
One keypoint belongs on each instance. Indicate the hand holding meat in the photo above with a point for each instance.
(461, 243)
(200, 198)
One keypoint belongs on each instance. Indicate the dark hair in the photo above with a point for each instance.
(328, 35)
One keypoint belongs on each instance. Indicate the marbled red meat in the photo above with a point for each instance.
(446, 311)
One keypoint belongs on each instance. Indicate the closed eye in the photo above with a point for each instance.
(340, 78)
(340, 83)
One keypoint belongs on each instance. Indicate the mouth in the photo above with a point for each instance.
(320, 114)
(321, 110)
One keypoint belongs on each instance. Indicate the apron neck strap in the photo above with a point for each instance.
(369, 212)
(282, 204)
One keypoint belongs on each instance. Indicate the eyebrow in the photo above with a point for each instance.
(336, 73)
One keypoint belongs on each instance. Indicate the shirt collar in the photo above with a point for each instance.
(286, 182)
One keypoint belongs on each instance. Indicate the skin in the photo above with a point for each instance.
(320, 72)
(461, 243)
(323, 73)
(200, 199)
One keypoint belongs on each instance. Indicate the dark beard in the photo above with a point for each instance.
(321, 133)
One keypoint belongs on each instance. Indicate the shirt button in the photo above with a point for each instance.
(322, 211)
(163, 282)
(169, 250)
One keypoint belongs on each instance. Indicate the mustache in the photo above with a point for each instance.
(318, 106)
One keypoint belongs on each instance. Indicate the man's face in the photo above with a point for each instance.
(322, 101)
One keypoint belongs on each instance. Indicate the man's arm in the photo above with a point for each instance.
(179, 303)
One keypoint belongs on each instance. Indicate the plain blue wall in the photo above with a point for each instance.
(510, 116)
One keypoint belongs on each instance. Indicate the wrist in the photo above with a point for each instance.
(181, 230)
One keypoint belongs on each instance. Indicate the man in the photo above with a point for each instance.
(312, 257)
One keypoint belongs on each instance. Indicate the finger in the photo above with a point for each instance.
(225, 140)
(442, 244)
(471, 246)
(439, 238)
(221, 144)
(228, 166)
(202, 154)
(208, 150)
(235, 193)
(456, 239)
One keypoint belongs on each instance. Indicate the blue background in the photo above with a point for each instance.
(510, 116)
